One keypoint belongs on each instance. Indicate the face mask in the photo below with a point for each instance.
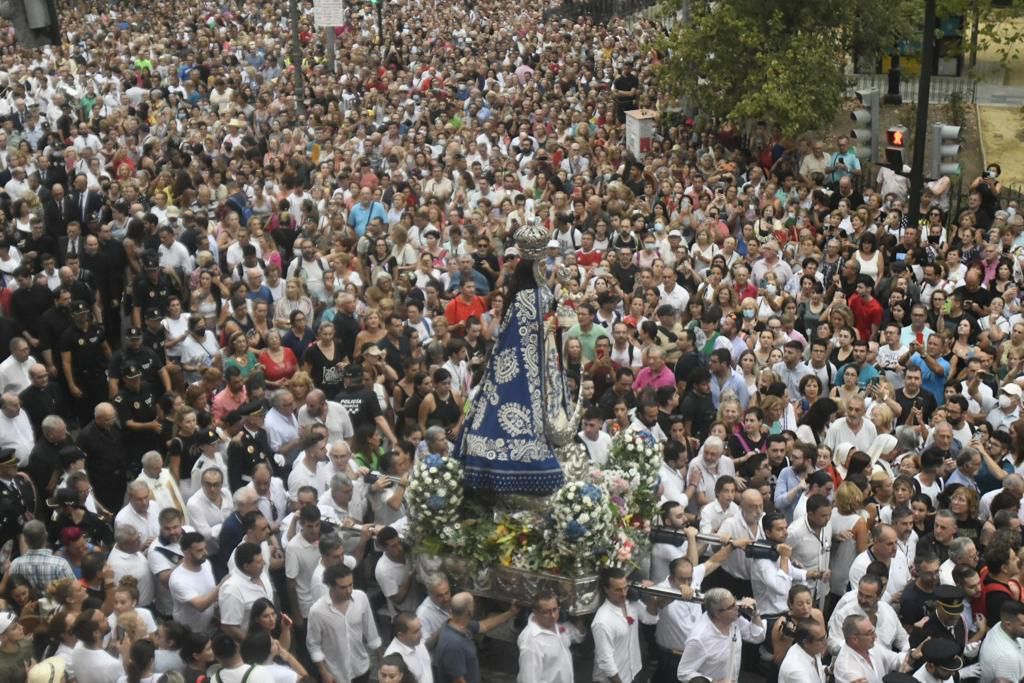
(770, 289)
(648, 246)
(659, 227)
(1005, 402)
(748, 313)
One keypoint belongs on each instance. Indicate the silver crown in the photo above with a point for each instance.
(532, 239)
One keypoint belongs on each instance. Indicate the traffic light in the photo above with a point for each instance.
(945, 148)
(895, 145)
(35, 21)
(865, 124)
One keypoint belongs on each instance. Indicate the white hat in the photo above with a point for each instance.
(882, 444)
(839, 456)
(553, 244)
(675, 233)
(6, 619)
(1011, 389)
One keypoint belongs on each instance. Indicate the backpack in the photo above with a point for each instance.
(245, 676)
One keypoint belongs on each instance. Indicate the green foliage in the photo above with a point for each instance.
(778, 60)
(956, 113)
(1003, 37)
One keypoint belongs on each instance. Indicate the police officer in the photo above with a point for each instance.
(84, 355)
(153, 288)
(154, 334)
(945, 618)
(137, 412)
(134, 352)
(250, 446)
(17, 497)
(942, 660)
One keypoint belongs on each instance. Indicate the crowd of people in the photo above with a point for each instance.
(235, 317)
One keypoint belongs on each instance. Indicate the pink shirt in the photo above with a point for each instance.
(647, 377)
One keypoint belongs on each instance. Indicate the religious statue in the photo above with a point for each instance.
(522, 413)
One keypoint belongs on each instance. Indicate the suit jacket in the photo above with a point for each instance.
(64, 243)
(56, 217)
(83, 211)
(53, 175)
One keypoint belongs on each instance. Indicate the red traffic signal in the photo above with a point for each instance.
(895, 136)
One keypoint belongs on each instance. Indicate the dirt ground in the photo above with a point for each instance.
(1001, 129)
(1014, 68)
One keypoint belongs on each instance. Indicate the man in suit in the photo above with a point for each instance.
(51, 174)
(72, 243)
(57, 212)
(85, 204)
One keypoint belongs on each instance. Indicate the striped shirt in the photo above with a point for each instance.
(40, 567)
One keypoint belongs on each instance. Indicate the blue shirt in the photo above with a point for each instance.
(483, 286)
(360, 216)
(929, 380)
(867, 373)
(787, 481)
(455, 654)
(734, 383)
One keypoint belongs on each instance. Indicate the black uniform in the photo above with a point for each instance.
(137, 406)
(154, 341)
(96, 531)
(88, 364)
(362, 405)
(244, 452)
(43, 461)
(52, 325)
(17, 506)
(144, 358)
(105, 462)
(148, 294)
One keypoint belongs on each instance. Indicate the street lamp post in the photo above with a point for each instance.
(921, 127)
(300, 87)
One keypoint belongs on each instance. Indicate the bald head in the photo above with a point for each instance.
(462, 606)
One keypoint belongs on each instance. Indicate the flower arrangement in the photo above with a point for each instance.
(582, 533)
(434, 498)
(632, 473)
(598, 518)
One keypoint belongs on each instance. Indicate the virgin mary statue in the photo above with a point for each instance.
(521, 413)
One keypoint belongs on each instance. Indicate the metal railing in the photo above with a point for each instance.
(941, 89)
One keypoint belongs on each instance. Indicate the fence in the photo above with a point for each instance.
(598, 10)
(940, 90)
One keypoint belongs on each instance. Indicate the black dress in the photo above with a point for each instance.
(323, 370)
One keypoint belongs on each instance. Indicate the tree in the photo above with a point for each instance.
(776, 60)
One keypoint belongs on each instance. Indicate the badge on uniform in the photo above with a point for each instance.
(81, 342)
(251, 450)
(152, 294)
(136, 406)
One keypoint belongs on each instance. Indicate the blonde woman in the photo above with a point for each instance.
(294, 299)
(849, 533)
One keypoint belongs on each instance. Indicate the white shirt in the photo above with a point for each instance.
(1001, 656)
(316, 583)
(164, 558)
(280, 429)
(813, 550)
(14, 375)
(416, 658)
(598, 449)
(163, 491)
(207, 516)
(301, 476)
(337, 421)
(16, 432)
(258, 674)
(617, 640)
(673, 483)
(95, 666)
(274, 505)
(544, 655)
(237, 594)
(432, 617)
(300, 561)
(800, 667)
(849, 666)
(899, 572)
(677, 619)
(708, 478)
(737, 564)
(711, 653)
(839, 432)
(331, 633)
(136, 565)
(186, 585)
(889, 631)
(390, 576)
(771, 585)
(175, 256)
(148, 526)
(712, 516)
(662, 555)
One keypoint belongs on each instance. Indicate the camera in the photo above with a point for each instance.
(747, 612)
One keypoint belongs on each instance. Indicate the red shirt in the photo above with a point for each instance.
(275, 372)
(458, 311)
(588, 259)
(866, 314)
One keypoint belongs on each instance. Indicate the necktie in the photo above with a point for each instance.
(72, 249)
(85, 200)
